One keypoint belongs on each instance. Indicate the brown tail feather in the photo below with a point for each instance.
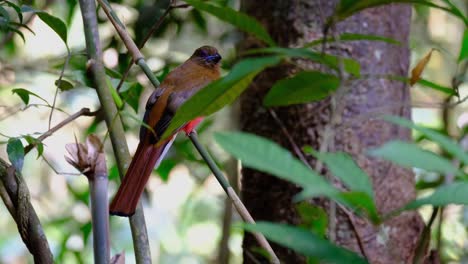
(133, 184)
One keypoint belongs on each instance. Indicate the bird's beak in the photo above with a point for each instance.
(214, 58)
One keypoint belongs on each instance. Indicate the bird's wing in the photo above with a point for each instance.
(152, 100)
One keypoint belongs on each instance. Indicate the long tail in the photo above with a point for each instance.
(133, 184)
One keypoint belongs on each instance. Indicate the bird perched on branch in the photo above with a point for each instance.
(180, 84)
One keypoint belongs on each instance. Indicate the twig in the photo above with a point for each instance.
(82, 112)
(240, 207)
(148, 36)
(117, 134)
(128, 42)
(423, 243)
(20, 208)
(59, 81)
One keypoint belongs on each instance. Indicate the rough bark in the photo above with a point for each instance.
(15, 195)
(293, 23)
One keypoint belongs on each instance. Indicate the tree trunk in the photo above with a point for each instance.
(293, 23)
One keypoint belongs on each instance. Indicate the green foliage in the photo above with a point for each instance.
(464, 47)
(15, 152)
(343, 166)
(64, 85)
(37, 143)
(347, 8)
(165, 168)
(55, 23)
(454, 193)
(131, 95)
(313, 218)
(221, 92)
(410, 155)
(25, 94)
(442, 140)
(437, 87)
(304, 87)
(305, 242)
(351, 66)
(236, 18)
(262, 154)
(353, 37)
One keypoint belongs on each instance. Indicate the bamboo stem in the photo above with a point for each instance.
(100, 218)
(114, 123)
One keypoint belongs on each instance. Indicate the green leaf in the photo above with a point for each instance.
(464, 47)
(347, 8)
(10, 28)
(132, 95)
(410, 155)
(445, 142)
(15, 152)
(235, 18)
(17, 10)
(305, 242)
(24, 95)
(264, 155)
(313, 218)
(350, 65)
(354, 37)
(454, 193)
(165, 168)
(304, 87)
(5, 15)
(437, 87)
(423, 82)
(37, 143)
(221, 92)
(64, 85)
(361, 203)
(56, 24)
(343, 166)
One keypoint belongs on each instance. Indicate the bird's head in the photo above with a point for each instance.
(207, 56)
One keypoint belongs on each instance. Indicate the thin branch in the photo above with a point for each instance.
(128, 42)
(117, 133)
(240, 207)
(82, 112)
(152, 30)
(59, 81)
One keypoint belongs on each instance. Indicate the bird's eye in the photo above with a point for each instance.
(203, 53)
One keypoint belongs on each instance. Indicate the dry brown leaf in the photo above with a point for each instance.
(90, 159)
(419, 68)
(118, 259)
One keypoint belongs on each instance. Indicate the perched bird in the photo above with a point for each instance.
(180, 84)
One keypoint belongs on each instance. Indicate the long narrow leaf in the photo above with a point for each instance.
(220, 93)
(354, 37)
(347, 8)
(305, 242)
(350, 65)
(455, 193)
(410, 155)
(445, 142)
(304, 87)
(238, 19)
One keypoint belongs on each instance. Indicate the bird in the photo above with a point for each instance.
(202, 68)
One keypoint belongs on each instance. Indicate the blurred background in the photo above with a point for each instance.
(184, 205)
